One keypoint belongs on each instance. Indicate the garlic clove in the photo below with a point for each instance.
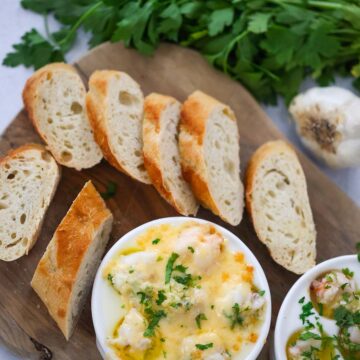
(328, 123)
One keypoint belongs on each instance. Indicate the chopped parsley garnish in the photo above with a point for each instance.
(321, 309)
(145, 299)
(110, 191)
(306, 311)
(348, 273)
(170, 267)
(346, 318)
(154, 319)
(301, 301)
(183, 278)
(261, 292)
(110, 277)
(159, 258)
(191, 249)
(235, 317)
(309, 335)
(199, 318)
(162, 339)
(204, 346)
(161, 297)
(155, 241)
(358, 250)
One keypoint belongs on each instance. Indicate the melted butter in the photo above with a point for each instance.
(323, 354)
(230, 270)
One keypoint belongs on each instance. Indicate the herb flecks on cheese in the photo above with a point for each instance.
(176, 301)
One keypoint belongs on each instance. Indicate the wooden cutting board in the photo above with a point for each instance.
(175, 71)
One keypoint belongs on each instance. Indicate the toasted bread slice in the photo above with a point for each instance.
(54, 98)
(161, 152)
(277, 200)
(65, 272)
(29, 177)
(210, 159)
(115, 106)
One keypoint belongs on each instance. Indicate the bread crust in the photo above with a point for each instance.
(18, 151)
(58, 269)
(154, 105)
(194, 116)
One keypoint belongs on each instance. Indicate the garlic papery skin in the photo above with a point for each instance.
(328, 123)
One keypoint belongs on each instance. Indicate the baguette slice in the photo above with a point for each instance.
(277, 200)
(115, 105)
(29, 177)
(161, 152)
(210, 155)
(65, 272)
(54, 97)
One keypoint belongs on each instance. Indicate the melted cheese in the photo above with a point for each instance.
(207, 309)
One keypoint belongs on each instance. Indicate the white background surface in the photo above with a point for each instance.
(14, 21)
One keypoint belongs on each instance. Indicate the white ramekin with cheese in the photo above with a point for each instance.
(180, 288)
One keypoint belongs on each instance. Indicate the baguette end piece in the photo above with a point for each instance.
(65, 272)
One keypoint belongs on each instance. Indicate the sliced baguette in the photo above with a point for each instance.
(115, 105)
(65, 272)
(277, 200)
(210, 155)
(29, 177)
(161, 152)
(54, 98)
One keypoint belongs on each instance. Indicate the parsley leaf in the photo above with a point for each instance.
(154, 319)
(155, 241)
(204, 346)
(169, 267)
(347, 273)
(33, 50)
(110, 191)
(161, 297)
(199, 318)
(269, 46)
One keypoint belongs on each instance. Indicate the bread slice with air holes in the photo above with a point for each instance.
(29, 176)
(115, 105)
(65, 272)
(54, 97)
(161, 152)
(210, 155)
(277, 200)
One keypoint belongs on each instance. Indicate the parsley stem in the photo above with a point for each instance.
(230, 47)
(78, 23)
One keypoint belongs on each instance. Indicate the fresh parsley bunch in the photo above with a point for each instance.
(268, 45)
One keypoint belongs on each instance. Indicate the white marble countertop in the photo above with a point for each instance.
(15, 21)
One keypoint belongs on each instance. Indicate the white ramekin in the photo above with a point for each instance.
(98, 309)
(288, 320)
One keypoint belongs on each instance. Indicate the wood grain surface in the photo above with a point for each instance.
(24, 322)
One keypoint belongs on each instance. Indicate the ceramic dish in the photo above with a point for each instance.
(302, 293)
(105, 301)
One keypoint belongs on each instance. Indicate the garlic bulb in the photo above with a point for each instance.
(328, 123)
